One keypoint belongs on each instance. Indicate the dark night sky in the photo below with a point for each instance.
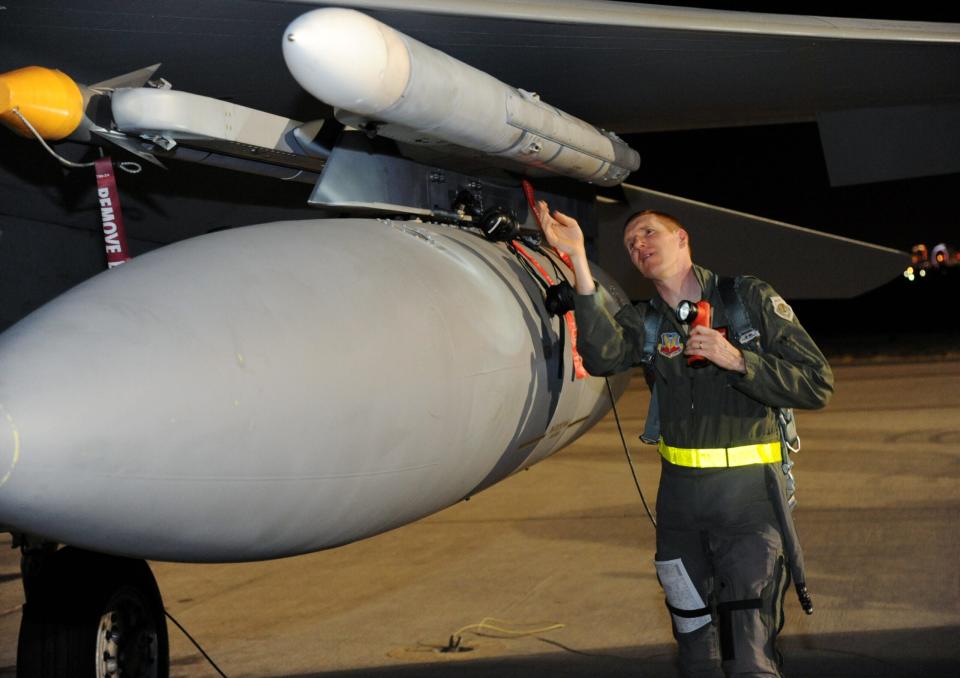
(779, 172)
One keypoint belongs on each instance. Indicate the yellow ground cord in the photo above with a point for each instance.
(492, 624)
(721, 457)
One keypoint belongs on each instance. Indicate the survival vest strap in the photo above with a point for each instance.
(740, 326)
(746, 334)
(651, 332)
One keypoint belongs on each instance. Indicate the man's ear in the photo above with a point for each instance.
(684, 237)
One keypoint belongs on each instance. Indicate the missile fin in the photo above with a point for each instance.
(136, 78)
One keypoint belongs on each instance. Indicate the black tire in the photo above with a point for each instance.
(90, 615)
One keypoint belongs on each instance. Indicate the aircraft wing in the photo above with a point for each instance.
(623, 66)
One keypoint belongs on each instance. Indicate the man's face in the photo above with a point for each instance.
(654, 249)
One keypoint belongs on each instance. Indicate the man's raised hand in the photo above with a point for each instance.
(561, 231)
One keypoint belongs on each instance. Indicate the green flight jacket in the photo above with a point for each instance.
(711, 407)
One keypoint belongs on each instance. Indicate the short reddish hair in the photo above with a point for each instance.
(673, 224)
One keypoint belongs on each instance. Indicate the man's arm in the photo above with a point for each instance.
(607, 345)
(791, 372)
(601, 341)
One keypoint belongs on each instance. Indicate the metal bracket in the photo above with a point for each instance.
(370, 175)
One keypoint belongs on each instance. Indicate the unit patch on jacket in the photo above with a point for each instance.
(670, 345)
(781, 308)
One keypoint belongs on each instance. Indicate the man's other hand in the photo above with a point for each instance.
(713, 346)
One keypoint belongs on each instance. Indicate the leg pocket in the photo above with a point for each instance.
(749, 567)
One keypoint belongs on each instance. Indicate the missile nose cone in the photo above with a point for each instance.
(49, 99)
(347, 59)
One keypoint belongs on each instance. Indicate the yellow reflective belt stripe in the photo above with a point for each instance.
(720, 457)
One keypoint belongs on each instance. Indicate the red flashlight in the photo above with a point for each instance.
(697, 314)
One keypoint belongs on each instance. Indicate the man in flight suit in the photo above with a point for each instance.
(720, 556)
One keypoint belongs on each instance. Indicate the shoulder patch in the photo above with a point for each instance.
(670, 345)
(781, 308)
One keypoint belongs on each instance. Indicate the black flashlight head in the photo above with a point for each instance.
(687, 311)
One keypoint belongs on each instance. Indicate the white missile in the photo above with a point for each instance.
(372, 73)
(279, 389)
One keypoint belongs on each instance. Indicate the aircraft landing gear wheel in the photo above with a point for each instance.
(90, 615)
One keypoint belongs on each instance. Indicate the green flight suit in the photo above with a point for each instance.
(719, 522)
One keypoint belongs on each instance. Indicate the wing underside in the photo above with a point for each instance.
(625, 67)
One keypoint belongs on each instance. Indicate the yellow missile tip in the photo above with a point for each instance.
(49, 99)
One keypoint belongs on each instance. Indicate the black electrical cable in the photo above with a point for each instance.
(626, 451)
(195, 644)
(552, 261)
(528, 267)
(545, 286)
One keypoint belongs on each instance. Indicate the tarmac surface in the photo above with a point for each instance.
(568, 543)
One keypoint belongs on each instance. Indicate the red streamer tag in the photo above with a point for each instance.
(532, 202)
(111, 217)
(578, 369)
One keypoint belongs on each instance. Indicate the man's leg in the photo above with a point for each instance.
(699, 653)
